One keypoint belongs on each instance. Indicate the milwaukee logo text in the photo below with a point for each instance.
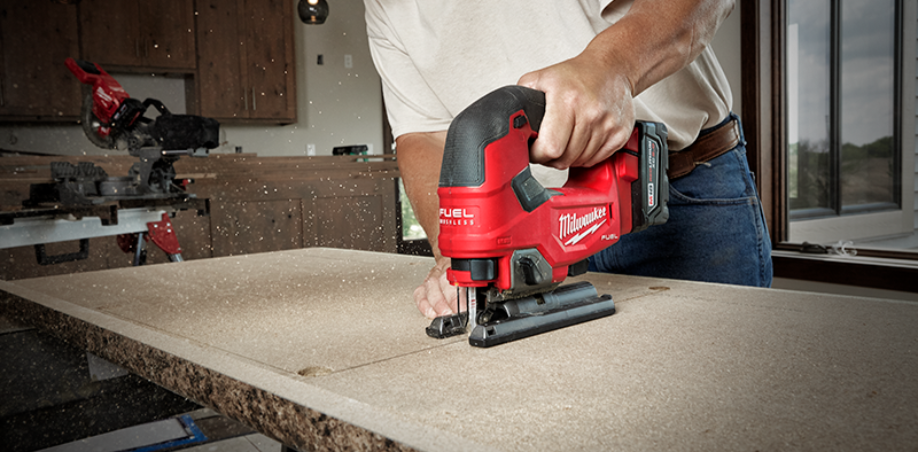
(580, 226)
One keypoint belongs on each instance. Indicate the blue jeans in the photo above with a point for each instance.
(716, 230)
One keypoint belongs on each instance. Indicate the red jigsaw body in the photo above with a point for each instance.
(512, 241)
(491, 207)
(592, 211)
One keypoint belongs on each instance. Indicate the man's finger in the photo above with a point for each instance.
(435, 296)
(591, 154)
(420, 298)
(554, 135)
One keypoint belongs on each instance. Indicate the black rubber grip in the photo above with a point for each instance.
(480, 124)
(88, 67)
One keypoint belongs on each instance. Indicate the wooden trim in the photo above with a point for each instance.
(877, 274)
(762, 93)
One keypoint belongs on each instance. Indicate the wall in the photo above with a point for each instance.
(335, 105)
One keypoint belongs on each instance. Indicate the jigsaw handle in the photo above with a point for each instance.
(488, 119)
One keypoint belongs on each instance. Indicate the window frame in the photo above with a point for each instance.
(763, 93)
(836, 207)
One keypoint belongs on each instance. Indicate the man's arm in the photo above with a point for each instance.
(419, 158)
(589, 98)
(589, 109)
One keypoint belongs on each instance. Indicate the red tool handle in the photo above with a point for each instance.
(107, 93)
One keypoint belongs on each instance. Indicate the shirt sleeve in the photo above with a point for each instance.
(411, 105)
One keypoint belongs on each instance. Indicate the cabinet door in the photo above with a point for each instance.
(270, 61)
(167, 34)
(246, 63)
(35, 39)
(222, 84)
(150, 34)
(110, 32)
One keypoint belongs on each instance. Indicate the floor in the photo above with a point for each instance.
(49, 387)
(223, 431)
(248, 443)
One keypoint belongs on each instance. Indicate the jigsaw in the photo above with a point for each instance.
(512, 242)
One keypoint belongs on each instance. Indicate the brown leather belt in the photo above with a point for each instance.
(708, 146)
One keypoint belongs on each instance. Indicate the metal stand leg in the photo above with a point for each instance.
(140, 251)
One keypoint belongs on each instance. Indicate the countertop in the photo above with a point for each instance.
(323, 348)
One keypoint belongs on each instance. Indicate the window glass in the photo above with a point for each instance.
(867, 94)
(808, 103)
(852, 180)
(411, 227)
(841, 107)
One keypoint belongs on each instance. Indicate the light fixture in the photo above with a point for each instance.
(313, 12)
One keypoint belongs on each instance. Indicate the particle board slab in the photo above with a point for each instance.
(323, 348)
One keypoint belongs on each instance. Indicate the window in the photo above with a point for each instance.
(829, 112)
(411, 228)
(411, 239)
(846, 180)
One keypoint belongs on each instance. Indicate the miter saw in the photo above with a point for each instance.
(512, 241)
(111, 119)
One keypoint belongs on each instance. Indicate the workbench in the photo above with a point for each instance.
(324, 349)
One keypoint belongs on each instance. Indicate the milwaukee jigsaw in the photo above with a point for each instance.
(512, 242)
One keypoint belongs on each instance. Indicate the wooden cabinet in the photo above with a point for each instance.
(257, 205)
(35, 39)
(241, 53)
(246, 64)
(150, 34)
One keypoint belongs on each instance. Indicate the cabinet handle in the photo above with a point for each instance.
(254, 106)
(137, 48)
(245, 95)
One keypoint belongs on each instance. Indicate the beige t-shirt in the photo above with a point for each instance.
(437, 57)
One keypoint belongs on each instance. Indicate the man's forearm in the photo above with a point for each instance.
(419, 158)
(656, 38)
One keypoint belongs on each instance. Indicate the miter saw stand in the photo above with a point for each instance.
(83, 203)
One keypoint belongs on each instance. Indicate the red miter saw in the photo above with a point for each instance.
(512, 241)
(113, 120)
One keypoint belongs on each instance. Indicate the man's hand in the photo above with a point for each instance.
(589, 112)
(589, 99)
(419, 158)
(436, 297)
